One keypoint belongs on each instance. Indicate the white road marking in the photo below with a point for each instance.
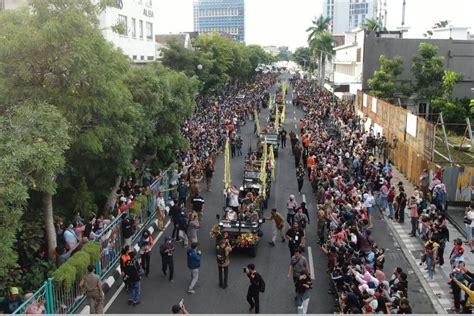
(303, 197)
(116, 294)
(296, 126)
(297, 137)
(311, 265)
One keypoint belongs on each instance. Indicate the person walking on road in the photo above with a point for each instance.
(291, 206)
(256, 286)
(198, 205)
(301, 218)
(283, 137)
(175, 210)
(183, 221)
(209, 172)
(166, 251)
(133, 271)
(91, 286)
(193, 227)
(296, 238)
(223, 261)
(297, 152)
(298, 264)
(145, 243)
(303, 285)
(300, 177)
(194, 263)
(278, 227)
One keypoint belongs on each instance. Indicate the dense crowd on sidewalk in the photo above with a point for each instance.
(347, 179)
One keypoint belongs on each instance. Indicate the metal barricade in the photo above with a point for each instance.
(56, 299)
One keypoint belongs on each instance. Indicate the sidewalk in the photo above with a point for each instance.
(438, 289)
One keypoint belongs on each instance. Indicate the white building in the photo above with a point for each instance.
(346, 15)
(348, 61)
(137, 40)
(162, 42)
(451, 32)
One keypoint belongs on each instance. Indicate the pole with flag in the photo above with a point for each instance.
(272, 162)
(263, 172)
(283, 99)
(257, 122)
(227, 180)
(270, 102)
(277, 118)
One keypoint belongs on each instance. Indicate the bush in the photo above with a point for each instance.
(93, 249)
(80, 261)
(65, 275)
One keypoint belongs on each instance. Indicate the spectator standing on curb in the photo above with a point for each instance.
(401, 204)
(469, 221)
(134, 272)
(166, 251)
(11, 303)
(278, 227)
(160, 210)
(425, 182)
(223, 261)
(123, 260)
(128, 229)
(413, 206)
(194, 263)
(91, 286)
(390, 201)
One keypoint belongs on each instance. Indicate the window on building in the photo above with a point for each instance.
(150, 58)
(133, 27)
(359, 54)
(142, 57)
(134, 57)
(149, 31)
(140, 28)
(122, 19)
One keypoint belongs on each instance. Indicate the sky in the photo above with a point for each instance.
(284, 22)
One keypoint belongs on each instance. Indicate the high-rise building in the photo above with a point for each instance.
(136, 37)
(346, 15)
(222, 16)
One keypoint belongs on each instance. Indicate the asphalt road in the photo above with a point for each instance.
(158, 295)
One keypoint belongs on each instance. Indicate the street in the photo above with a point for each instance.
(158, 295)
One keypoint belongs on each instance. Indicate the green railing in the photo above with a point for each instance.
(60, 300)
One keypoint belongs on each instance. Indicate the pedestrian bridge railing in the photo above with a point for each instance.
(54, 298)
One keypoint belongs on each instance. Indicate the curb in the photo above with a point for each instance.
(108, 282)
(424, 283)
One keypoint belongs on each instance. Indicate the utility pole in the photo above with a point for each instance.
(403, 12)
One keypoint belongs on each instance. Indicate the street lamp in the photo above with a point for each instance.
(199, 67)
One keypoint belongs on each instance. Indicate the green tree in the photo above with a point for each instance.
(450, 79)
(302, 56)
(55, 53)
(33, 138)
(374, 25)
(383, 83)
(168, 99)
(428, 70)
(318, 26)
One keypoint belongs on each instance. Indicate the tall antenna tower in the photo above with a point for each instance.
(403, 12)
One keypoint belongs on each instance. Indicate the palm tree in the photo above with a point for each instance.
(320, 41)
(322, 48)
(373, 25)
(319, 25)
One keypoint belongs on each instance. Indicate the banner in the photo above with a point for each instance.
(270, 102)
(263, 172)
(257, 122)
(277, 118)
(227, 180)
(272, 162)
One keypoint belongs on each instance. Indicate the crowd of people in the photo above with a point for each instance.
(347, 180)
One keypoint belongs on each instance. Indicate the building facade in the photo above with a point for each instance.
(222, 16)
(136, 37)
(356, 60)
(346, 15)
